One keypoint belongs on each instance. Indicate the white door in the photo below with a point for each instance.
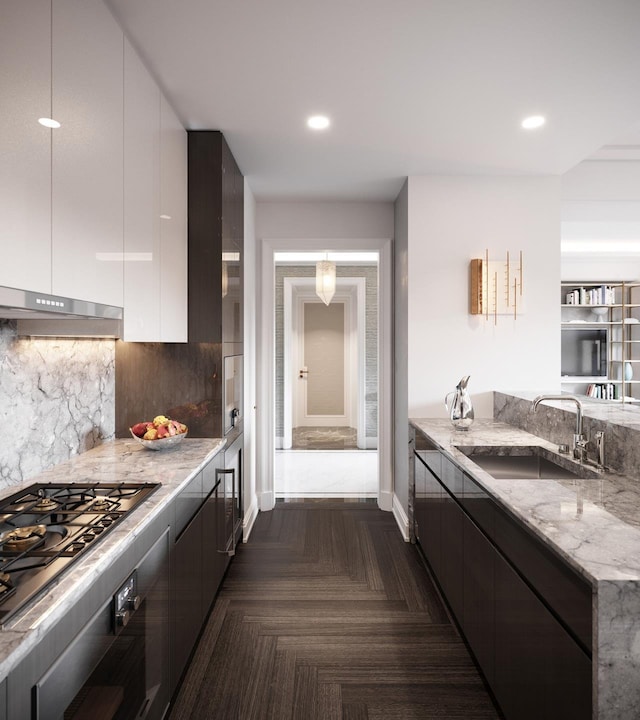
(323, 382)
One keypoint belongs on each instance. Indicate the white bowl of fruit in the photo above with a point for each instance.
(160, 433)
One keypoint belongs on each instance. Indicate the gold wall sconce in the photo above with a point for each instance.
(496, 287)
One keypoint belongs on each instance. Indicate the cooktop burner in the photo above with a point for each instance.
(46, 526)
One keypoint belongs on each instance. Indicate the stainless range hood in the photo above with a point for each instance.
(55, 316)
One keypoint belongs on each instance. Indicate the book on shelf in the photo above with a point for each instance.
(603, 391)
(602, 295)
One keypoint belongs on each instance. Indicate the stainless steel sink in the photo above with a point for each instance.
(524, 463)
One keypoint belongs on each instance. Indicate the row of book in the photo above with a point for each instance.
(602, 295)
(603, 391)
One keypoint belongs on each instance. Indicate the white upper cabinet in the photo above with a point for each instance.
(173, 226)
(87, 162)
(143, 302)
(25, 145)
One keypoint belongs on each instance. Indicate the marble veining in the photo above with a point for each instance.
(57, 399)
(594, 524)
(113, 462)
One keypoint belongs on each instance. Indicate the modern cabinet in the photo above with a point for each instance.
(25, 145)
(173, 226)
(155, 236)
(233, 513)
(601, 340)
(216, 232)
(143, 300)
(525, 614)
(198, 561)
(87, 159)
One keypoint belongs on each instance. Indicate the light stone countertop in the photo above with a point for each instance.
(595, 526)
(113, 462)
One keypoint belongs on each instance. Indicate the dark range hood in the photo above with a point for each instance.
(56, 316)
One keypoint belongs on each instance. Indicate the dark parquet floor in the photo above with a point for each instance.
(327, 614)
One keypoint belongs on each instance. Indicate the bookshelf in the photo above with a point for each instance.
(600, 330)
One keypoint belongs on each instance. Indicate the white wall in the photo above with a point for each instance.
(601, 201)
(451, 221)
(250, 312)
(401, 339)
(287, 220)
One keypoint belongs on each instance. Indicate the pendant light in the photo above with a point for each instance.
(325, 280)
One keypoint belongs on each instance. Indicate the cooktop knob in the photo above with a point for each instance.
(122, 618)
(134, 602)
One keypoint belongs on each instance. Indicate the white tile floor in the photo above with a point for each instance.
(326, 473)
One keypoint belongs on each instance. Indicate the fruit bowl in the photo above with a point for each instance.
(160, 434)
(161, 443)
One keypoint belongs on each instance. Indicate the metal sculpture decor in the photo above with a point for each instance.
(496, 287)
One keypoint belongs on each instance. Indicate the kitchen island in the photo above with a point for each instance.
(592, 525)
(63, 603)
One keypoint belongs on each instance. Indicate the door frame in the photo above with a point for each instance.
(265, 356)
(353, 288)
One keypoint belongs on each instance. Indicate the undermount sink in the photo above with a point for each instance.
(523, 463)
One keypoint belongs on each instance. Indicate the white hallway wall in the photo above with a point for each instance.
(449, 221)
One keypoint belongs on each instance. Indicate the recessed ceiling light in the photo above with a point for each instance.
(49, 122)
(533, 121)
(318, 122)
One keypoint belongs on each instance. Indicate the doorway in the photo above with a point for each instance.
(377, 393)
(325, 376)
(326, 381)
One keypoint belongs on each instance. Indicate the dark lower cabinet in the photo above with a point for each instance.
(540, 672)
(479, 599)
(525, 614)
(198, 560)
(187, 585)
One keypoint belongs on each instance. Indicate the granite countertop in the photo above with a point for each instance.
(113, 462)
(593, 523)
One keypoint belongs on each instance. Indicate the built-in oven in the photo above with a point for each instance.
(233, 383)
(118, 667)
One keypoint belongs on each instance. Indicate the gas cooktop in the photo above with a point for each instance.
(47, 526)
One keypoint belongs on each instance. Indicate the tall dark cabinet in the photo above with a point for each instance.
(216, 240)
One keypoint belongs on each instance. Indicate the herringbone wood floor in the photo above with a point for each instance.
(324, 614)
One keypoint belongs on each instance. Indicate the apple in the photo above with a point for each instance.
(139, 429)
(162, 431)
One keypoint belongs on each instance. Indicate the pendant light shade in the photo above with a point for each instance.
(325, 280)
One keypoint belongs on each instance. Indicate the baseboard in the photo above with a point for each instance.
(279, 443)
(385, 500)
(371, 443)
(401, 518)
(249, 519)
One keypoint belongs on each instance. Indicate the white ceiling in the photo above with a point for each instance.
(412, 86)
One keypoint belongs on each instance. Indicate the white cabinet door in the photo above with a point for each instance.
(143, 301)
(87, 152)
(25, 145)
(173, 226)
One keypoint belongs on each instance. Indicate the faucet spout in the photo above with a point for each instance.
(573, 398)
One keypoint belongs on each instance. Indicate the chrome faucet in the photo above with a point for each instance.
(579, 446)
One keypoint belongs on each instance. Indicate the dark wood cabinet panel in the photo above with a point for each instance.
(216, 239)
(478, 617)
(540, 672)
(525, 614)
(429, 516)
(563, 589)
(186, 585)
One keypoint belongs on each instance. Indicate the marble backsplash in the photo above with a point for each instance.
(557, 423)
(57, 399)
